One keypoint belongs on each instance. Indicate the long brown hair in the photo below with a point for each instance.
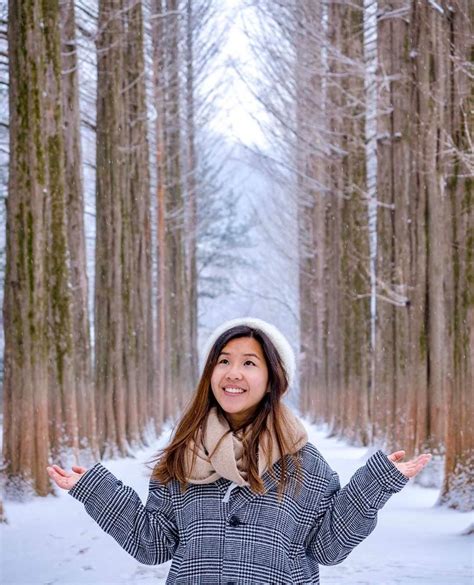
(170, 461)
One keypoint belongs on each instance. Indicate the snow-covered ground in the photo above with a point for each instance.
(52, 540)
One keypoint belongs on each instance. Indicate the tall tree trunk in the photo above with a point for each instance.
(370, 118)
(173, 324)
(312, 395)
(433, 94)
(173, 327)
(397, 147)
(459, 167)
(39, 384)
(191, 199)
(111, 168)
(75, 229)
(432, 328)
(329, 229)
(178, 358)
(417, 284)
(137, 284)
(162, 404)
(382, 203)
(123, 265)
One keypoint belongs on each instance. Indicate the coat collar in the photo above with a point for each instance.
(244, 494)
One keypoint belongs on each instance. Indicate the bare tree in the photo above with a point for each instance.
(173, 321)
(39, 384)
(457, 148)
(75, 227)
(123, 341)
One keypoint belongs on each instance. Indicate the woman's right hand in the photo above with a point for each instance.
(62, 478)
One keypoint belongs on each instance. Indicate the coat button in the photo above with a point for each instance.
(234, 521)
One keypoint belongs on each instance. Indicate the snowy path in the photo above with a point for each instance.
(53, 541)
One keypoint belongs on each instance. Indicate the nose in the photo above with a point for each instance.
(234, 373)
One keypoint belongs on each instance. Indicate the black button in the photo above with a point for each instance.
(234, 521)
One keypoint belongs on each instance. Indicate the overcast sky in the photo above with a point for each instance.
(238, 110)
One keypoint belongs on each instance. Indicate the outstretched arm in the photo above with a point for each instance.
(148, 533)
(346, 516)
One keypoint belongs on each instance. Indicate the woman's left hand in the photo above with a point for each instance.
(412, 467)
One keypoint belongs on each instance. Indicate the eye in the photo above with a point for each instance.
(249, 362)
(221, 361)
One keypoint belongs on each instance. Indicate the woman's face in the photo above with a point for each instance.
(240, 379)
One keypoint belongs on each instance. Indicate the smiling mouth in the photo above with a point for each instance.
(234, 391)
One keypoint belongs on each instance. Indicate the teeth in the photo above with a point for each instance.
(234, 390)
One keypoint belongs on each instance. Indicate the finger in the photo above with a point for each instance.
(61, 471)
(397, 456)
(58, 479)
(79, 469)
(417, 465)
(416, 470)
(422, 459)
(53, 473)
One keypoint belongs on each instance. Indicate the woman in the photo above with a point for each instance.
(239, 495)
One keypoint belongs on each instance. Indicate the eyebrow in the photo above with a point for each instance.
(245, 354)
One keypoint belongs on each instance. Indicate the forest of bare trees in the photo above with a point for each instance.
(109, 113)
(76, 384)
(380, 145)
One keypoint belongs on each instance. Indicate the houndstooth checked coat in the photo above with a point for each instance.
(250, 539)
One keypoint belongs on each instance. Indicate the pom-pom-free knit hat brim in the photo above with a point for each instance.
(280, 342)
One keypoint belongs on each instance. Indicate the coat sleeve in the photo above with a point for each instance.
(346, 516)
(148, 533)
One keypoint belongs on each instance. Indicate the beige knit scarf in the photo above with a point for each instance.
(220, 453)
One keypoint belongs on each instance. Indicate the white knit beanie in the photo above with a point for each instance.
(280, 342)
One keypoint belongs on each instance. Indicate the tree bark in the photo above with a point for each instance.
(111, 184)
(137, 283)
(458, 482)
(123, 263)
(75, 230)
(162, 407)
(39, 382)
(191, 197)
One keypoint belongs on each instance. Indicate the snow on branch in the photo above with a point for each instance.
(436, 6)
